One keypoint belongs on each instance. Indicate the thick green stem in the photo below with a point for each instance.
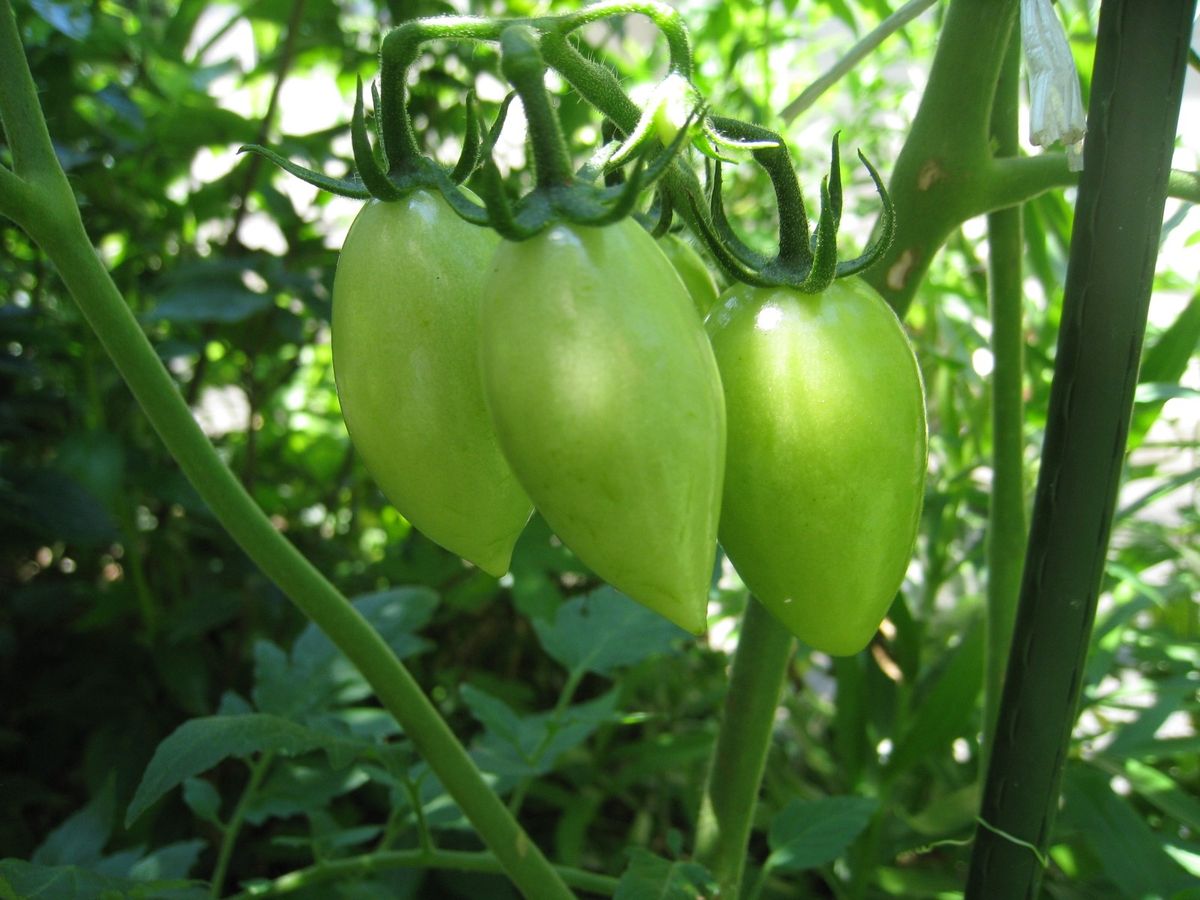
(55, 225)
(663, 15)
(740, 753)
(940, 178)
(1006, 512)
(1141, 54)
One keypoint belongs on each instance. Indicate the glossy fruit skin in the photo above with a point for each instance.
(406, 360)
(696, 277)
(607, 401)
(827, 455)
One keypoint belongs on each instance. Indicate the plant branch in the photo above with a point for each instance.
(1141, 54)
(854, 56)
(760, 664)
(370, 864)
(941, 176)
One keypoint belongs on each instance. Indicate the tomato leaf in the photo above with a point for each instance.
(23, 879)
(1130, 853)
(807, 834)
(651, 877)
(315, 675)
(604, 631)
(199, 744)
(524, 746)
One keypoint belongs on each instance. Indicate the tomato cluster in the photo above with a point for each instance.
(573, 372)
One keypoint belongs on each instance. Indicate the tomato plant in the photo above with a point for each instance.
(607, 401)
(406, 359)
(827, 454)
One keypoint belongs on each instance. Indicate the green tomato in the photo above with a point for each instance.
(827, 455)
(406, 359)
(607, 401)
(690, 265)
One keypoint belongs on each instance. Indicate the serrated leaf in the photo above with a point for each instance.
(526, 746)
(807, 834)
(317, 677)
(203, 800)
(650, 877)
(295, 789)
(396, 614)
(28, 880)
(604, 631)
(199, 744)
(81, 838)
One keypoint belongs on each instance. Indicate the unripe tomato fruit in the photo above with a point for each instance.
(827, 455)
(607, 401)
(406, 359)
(696, 277)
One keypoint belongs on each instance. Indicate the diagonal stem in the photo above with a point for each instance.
(740, 752)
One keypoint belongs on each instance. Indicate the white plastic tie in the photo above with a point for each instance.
(1056, 105)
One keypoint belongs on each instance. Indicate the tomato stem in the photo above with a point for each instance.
(664, 16)
(397, 55)
(521, 63)
(739, 757)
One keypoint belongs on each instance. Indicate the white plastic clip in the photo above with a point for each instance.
(1056, 106)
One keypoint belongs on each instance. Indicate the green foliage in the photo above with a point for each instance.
(805, 835)
(152, 674)
(650, 877)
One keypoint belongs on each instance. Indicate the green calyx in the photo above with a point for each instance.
(807, 262)
(642, 150)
